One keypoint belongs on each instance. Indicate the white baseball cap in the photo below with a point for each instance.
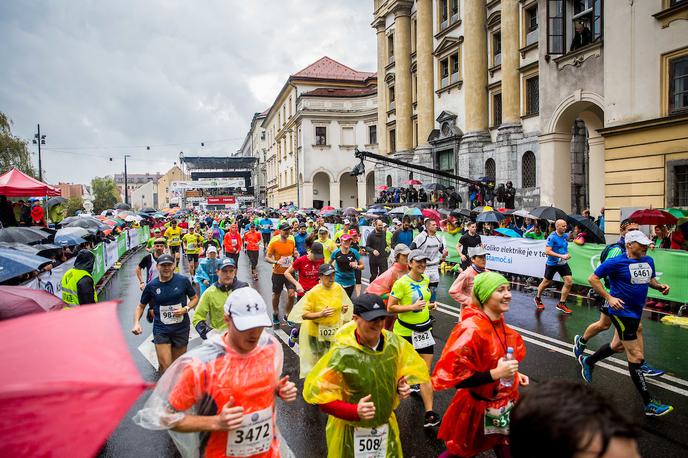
(247, 309)
(637, 236)
(211, 249)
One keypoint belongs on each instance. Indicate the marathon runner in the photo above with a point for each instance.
(167, 295)
(322, 311)
(206, 273)
(173, 234)
(328, 244)
(155, 234)
(210, 312)
(470, 239)
(630, 275)
(150, 263)
(252, 239)
(432, 246)
(218, 400)
(192, 247)
(266, 231)
(411, 301)
(346, 260)
(462, 288)
(557, 250)
(378, 251)
(383, 284)
(280, 254)
(300, 239)
(232, 243)
(359, 382)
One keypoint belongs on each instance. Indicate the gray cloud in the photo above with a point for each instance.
(107, 78)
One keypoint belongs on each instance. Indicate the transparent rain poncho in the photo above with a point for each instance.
(349, 372)
(315, 336)
(203, 381)
(382, 285)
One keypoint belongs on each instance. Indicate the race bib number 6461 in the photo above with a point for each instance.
(641, 273)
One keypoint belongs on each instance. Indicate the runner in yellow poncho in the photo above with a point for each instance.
(321, 312)
(359, 383)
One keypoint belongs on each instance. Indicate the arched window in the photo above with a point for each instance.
(528, 170)
(389, 181)
(491, 170)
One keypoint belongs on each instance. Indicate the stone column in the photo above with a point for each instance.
(379, 26)
(424, 59)
(361, 191)
(554, 170)
(510, 63)
(334, 194)
(475, 65)
(402, 74)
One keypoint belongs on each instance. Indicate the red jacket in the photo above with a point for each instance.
(232, 242)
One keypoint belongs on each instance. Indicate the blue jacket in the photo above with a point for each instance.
(206, 270)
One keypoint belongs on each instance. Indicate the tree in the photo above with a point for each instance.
(73, 205)
(14, 151)
(105, 193)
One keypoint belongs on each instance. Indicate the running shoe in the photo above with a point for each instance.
(293, 337)
(291, 324)
(433, 419)
(657, 409)
(539, 306)
(563, 308)
(586, 369)
(651, 371)
(275, 319)
(415, 388)
(578, 346)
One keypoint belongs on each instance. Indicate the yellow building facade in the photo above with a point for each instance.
(164, 185)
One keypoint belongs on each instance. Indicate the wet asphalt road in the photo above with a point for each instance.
(548, 336)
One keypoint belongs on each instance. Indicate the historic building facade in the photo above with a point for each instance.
(255, 145)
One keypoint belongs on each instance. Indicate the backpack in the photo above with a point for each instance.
(603, 257)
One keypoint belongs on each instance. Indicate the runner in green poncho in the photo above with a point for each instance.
(359, 383)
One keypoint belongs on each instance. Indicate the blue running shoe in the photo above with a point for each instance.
(657, 409)
(586, 369)
(578, 346)
(293, 337)
(650, 371)
(291, 324)
(275, 319)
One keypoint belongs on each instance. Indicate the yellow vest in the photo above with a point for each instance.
(70, 280)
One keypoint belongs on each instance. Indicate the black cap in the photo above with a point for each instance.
(317, 250)
(284, 227)
(370, 307)
(165, 259)
(325, 269)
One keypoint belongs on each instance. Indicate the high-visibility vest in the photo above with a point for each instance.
(70, 282)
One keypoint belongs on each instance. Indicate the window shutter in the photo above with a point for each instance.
(556, 27)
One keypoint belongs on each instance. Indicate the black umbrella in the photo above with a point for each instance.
(444, 212)
(90, 224)
(435, 187)
(549, 212)
(595, 234)
(489, 217)
(148, 210)
(22, 235)
(350, 211)
(38, 249)
(122, 206)
(461, 212)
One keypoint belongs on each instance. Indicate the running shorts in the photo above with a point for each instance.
(421, 351)
(174, 249)
(562, 269)
(266, 238)
(253, 257)
(279, 282)
(175, 338)
(358, 274)
(192, 257)
(349, 290)
(626, 326)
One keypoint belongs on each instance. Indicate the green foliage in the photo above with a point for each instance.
(73, 205)
(105, 194)
(14, 151)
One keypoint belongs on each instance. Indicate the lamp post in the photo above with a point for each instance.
(39, 140)
(126, 183)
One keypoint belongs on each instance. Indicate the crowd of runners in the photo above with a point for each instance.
(362, 352)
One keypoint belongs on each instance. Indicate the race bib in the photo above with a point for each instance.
(422, 339)
(254, 436)
(370, 442)
(561, 262)
(497, 420)
(234, 242)
(190, 246)
(174, 239)
(284, 261)
(166, 315)
(641, 273)
(326, 332)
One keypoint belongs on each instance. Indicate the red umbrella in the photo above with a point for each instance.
(382, 187)
(433, 214)
(653, 216)
(413, 182)
(66, 375)
(20, 300)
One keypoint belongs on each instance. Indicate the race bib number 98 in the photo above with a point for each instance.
(641, 273)
(370, 442)
(254, 436)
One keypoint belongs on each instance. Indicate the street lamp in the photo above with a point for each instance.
(39, 140)
(126, 181)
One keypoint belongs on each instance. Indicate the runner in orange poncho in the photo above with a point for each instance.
(473, 361)
(382, 285)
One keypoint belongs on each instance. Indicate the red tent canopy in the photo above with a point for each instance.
(16, 183)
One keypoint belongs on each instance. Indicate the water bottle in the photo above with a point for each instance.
(507, 381)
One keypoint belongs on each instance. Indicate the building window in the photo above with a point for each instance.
(348, 136)
(321, 135)
(262, 135)
(414, 34)
(680, 188)
(532, 95)
(491, 170)
(496, 49)
(528, 170)
(445, 163)
(678, 84)
(390, 48)
(582, 28)
(449, 13)
(497, 110)
(392, 140)
(372, 135)
(391, 98)
(449, 70)
(531, 24)
(389, 181)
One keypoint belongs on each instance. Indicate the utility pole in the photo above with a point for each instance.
(39, 140)
(126, 184)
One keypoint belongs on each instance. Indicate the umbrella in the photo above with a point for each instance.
(148, 210)
(489, 217)
(37, 250)
(550, 213)
(351, 211)
(87, 222)
(463, 212)
(508, 232)
(376, 206)
(51, 395)
(382, 187)
(485, 208)
(20, 300)
(399, 210)
(122, 206)
(55, 201)
(14, 263)
(416, 182)
(433, 214)
(444, 212)
(413, 211)
(327, 208)
(377, 211)
(22, 235)
(522, 213)
(677, 212)
(653, 216)
(73, 231)
(595, 234)
(106, 213)
(435, 187)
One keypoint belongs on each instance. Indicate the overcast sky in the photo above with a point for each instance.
(107, 78)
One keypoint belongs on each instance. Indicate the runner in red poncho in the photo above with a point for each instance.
(473, 361)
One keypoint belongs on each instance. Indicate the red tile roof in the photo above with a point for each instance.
(330, 92)
(330, 69)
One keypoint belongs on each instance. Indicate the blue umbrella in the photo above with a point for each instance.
(377, 211)
(14, 263)
(68, 240)
(414, 211)
(508, 232)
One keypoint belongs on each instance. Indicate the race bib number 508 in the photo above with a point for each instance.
(370, 442)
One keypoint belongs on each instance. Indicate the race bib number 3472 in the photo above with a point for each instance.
(370, 442)
(254, 436)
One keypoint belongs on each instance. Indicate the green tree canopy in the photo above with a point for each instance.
(73, 205)
(105, 193)
(14, 151)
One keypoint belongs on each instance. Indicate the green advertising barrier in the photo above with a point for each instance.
(99, 265)
(121, 244)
